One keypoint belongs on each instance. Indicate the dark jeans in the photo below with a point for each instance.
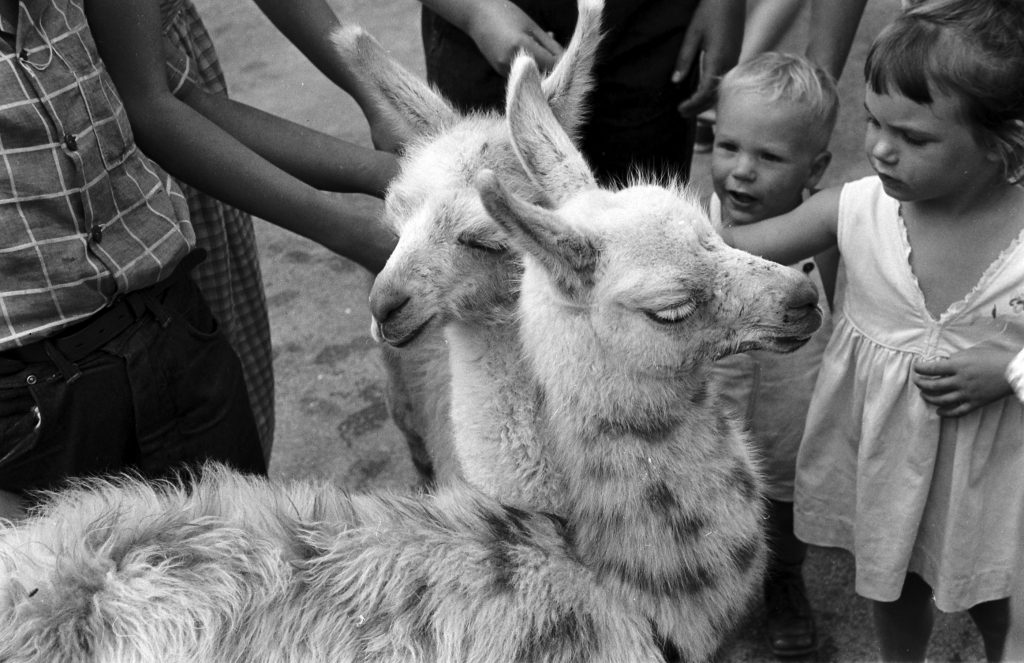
(164, 394)
(633, 123)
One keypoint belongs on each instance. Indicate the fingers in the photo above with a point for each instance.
(543, 48)
(937, 381)
(684, 63)
(950, 398)
(949, 403)
(939, 390)
(689, 51)
(958, 410)
(943, 398)
(700, 100)
(934, 367)
(547, 42)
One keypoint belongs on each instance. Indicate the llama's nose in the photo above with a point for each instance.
(802, 300)
(383, 305)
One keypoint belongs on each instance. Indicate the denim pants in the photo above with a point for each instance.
(165, 394)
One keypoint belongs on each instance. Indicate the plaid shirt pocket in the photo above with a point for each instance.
(84, 216)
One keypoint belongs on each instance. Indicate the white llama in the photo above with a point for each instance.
(452, 268)
(625, 297)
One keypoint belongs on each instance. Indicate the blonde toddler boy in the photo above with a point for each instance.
(775, 114)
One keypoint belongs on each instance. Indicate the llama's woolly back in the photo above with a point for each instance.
(237, 569)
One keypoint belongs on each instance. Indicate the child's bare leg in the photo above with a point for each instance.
(904, 626)
(993, 621)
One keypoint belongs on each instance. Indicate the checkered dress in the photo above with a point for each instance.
(230, 277)
(84, 216)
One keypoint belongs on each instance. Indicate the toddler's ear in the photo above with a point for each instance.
(818, 167)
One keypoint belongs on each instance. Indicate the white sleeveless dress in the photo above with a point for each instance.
(879, 473)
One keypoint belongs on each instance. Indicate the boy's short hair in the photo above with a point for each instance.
(793, 79)
(971, 50)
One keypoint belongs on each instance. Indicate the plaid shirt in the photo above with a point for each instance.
(84, 216)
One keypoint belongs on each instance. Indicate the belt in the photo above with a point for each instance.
(104, 326)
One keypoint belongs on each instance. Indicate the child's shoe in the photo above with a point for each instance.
(790, 621)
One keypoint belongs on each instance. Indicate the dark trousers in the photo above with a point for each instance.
(164, 394)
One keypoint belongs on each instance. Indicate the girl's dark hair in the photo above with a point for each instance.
(970, 49)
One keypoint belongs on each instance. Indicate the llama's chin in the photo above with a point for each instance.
(786, 344)
(794, 335)
(780, 344)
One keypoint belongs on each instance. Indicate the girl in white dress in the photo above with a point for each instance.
(913, 451)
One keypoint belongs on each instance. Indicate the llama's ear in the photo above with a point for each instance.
(569, 256)
(545, 150)
(387, 92)
(569, 82)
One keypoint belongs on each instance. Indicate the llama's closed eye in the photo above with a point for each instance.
(486, 244)
(672, 314)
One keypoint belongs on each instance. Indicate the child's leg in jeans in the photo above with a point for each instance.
(904, 626)
(993, 621)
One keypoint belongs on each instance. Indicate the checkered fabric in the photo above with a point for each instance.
(84, 216)
(230, 277)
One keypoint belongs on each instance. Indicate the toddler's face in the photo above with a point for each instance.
(763, 158)
(923, 151)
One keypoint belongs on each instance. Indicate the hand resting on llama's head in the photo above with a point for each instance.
(444, 304)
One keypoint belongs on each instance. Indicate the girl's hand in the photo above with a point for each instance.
(501, 29)
(965, 381)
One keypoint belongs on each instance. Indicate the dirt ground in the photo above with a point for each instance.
(331, 419)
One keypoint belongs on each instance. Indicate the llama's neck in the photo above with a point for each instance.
(661, 493)
(494, 410)
(594, 395)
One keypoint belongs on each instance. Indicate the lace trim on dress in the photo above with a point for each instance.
(984, 280)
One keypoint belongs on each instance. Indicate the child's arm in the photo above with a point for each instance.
(199, 152)
(832, 30)
(713, 41)
(969, 379)
(308, 24)
(320, 160)
(500, 30)
(794, 236)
